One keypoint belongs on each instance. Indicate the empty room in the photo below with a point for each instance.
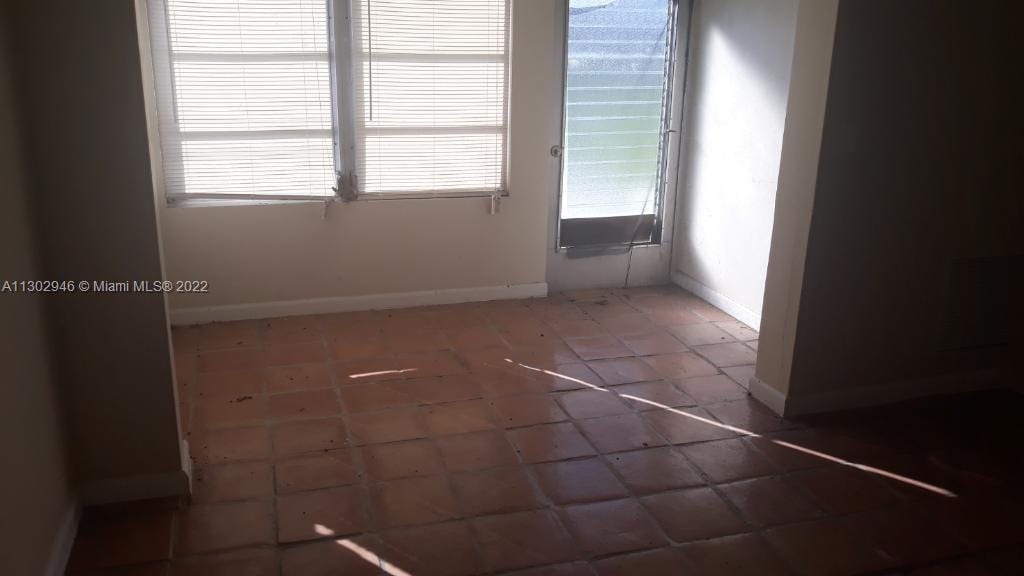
(511, 288)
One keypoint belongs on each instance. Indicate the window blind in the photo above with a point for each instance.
(430, 95)
(618, 75)
(244, 97)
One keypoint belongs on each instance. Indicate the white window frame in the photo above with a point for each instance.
(342, 66)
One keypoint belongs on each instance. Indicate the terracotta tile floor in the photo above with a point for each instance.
(591, 433)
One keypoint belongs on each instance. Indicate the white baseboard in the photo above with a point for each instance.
(64, 540)
(863, 397)
(147, 487)
(768, 395)
(718, 300)
(185, 316)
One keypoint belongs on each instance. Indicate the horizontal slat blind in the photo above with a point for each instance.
(430, 95)
(244, 96)
(616, 87)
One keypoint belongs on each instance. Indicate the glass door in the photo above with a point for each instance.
(618, 83)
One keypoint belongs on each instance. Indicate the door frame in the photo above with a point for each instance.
(633, 265)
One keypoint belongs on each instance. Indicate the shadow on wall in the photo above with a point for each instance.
(741, 54)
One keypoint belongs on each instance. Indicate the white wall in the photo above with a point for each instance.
(277, 253)
(914, 260)
(741, 56)
(88, 170)
(35, 486)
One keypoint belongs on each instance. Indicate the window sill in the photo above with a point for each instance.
(180, 202)
(219, 202)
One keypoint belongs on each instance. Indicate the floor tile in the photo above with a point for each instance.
(473, 337)
(251, 562)
(231, 359)
(219, 446)
(374, 369)
(350, 348)
(693, 514)
(738, 330)
(549, 442)
(632, 323)
(386, 426)
(826, 547)
(230, 411)
(786, 454)
(571, 569)
(373, 396)
(320, 513)
(441, 388)
(527, 410)
(700, 334)
(234, 481)
(685, 425)
(712, 389)
(598, 347)
(436, 550)
(459, 418)
(111, 536)
(653, 396)
(476, 451)
(497, 383)
(906, 534)
(624, 371)
(740, 555)
(728, 460)
(613, 527)
(655, 470)
(298, 377)
(230, 383)
(295, 438)
(415, 341)
(660, 562)
(564, 377)
(228, 335)
(727, 354)
(296, 353)
(620, 433)
(680, 365)
(576, 328)
(578, 481)
(304, 404)
(400, 460)
(291, 330)
(842, 490)
(348, 556)
(223, 526)
(522, 539)
(496, 491)
(741, 374)
(424, 365)
(652, 343)
(749, 414)
(334, 468)
(592, 403)
(676, 317)
(770, 501)
(412, 501)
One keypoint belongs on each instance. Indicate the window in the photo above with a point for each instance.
(286, 99)
(618, 83)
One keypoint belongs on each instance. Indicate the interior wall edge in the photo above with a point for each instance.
(145, 487)
(768, 395)
(878, 395)
(256, 310)
(64, 539)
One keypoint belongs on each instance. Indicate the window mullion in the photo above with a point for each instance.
(343, 93)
